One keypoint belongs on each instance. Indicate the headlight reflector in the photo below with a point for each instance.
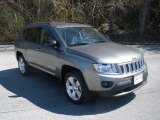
(105, 68)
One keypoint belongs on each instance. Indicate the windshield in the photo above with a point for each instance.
(75, 36)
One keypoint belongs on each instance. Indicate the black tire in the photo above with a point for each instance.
(85, 94)
(21, 61)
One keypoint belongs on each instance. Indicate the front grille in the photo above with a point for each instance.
(132, 67)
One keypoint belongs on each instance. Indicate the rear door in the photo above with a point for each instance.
(32, 44)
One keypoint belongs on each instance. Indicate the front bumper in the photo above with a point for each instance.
(121, 84)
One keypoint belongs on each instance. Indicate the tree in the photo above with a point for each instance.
(10, 22)
(143, 15)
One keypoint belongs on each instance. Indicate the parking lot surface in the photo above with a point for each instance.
(39, 97)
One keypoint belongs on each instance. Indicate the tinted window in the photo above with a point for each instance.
(34, 35)
(26, 34)
(45, 36)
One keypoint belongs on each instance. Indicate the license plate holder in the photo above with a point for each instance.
(138, 79)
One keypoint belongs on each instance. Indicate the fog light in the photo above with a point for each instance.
(106, 84)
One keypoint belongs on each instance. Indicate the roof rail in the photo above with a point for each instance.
(39, 23)
(42, 23)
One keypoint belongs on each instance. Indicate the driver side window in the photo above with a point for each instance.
(45, 36)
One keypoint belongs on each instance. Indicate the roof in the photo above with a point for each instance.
(60, 24)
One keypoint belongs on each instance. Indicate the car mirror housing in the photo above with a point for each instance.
(52, 43)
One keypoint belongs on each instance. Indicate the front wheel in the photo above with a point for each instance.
(75, 88)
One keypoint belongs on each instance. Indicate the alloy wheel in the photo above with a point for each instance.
(73, 88)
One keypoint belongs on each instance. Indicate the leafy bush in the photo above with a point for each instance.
(10, 24)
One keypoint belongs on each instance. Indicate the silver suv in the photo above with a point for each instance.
(84, 60)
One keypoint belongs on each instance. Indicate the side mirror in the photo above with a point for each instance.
(52, 43)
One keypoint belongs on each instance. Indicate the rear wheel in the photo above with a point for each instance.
(75, 88)
(22, 64)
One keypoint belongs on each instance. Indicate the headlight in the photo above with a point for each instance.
(107, 68)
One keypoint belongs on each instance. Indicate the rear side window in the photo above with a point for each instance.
(26, 34)
(32, 34)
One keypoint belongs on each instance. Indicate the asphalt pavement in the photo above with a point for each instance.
(39, 97)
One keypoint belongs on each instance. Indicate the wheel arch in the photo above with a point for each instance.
(66, 69)
(18, 54)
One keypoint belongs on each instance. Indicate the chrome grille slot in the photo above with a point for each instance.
(131, 67)
(134, 66)
(127, 67)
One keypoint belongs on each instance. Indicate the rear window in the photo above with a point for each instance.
(32, 34)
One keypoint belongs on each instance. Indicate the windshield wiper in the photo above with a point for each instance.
(78, 44)
(100, 41)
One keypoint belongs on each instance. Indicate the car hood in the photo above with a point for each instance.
(108, 52)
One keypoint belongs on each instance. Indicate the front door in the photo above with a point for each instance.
(41, 55)
(47, 56)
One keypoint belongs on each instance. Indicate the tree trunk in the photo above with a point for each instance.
(15, 17)
(111, 22)
(38, 10)
(143, 15)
